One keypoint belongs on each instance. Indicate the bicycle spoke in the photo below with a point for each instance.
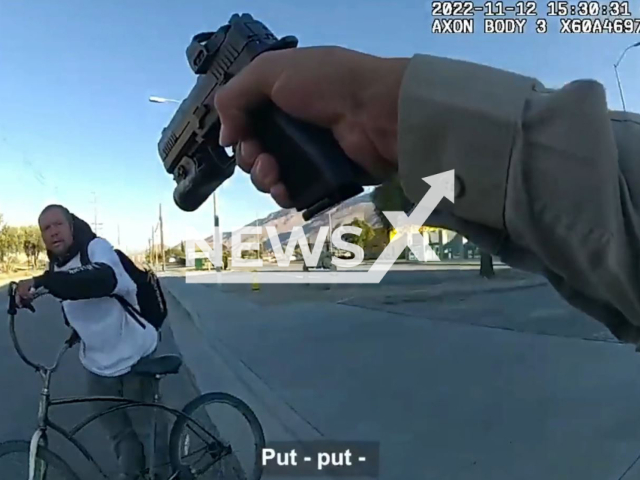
(228, 449)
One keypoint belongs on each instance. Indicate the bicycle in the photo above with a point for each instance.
(185, 430)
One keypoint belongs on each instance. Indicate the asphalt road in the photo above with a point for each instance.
(395, 281)
(500, 385)
(41, 335)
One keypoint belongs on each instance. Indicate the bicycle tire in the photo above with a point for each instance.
(204, 400)
(44, 454)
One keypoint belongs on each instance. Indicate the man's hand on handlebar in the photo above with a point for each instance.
(25, 293)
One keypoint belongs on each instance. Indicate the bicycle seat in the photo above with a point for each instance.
(160, 365)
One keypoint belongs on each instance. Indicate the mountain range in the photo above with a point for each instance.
(285, 220)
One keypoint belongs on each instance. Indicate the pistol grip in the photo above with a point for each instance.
(313, 167)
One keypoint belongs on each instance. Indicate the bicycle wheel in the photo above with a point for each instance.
(199, 445)
(14, 463)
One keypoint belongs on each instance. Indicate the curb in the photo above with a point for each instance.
(214, 368)
(471, 289)
(437, 291)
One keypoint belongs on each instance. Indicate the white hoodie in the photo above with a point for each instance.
(111, 340)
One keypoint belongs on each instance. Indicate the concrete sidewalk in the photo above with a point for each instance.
(451, 391)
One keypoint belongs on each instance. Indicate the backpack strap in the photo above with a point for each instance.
(84, 255)
(64, 315)
(130, 309)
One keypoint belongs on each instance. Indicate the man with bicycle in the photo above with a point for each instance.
(112, 340)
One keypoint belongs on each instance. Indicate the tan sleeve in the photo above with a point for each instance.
(554, 172)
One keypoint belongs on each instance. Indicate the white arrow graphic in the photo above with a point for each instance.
(442, 186)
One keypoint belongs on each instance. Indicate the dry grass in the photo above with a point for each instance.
(20, 274)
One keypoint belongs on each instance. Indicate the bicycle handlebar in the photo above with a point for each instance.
(12, 311)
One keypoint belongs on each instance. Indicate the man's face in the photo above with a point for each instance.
(56, 231)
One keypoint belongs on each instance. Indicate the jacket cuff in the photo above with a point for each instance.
(39, 281)
(461, 116)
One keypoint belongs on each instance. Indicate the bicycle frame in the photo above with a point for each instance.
(40, 437)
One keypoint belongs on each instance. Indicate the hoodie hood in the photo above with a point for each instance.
(82, 237)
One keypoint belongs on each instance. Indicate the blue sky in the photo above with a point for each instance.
(75, 77)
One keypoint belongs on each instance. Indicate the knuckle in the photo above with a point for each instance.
(219, 99)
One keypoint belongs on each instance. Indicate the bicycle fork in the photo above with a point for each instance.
(38, 439)
(37, 469)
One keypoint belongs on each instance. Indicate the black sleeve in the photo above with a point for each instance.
(90, 281)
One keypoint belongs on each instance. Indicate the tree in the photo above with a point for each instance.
(3, 240)
(390, 196)
(32, 244)
(11, 239)
(366, 234)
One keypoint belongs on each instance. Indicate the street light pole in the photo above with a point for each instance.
(615, 68)
(162, 239)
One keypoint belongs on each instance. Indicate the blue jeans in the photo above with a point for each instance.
(130, 430)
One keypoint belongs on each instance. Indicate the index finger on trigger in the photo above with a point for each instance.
(248, 89)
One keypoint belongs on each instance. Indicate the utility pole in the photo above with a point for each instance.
(152, 253)
(119, 236)
(155, 229)
(162, 239)
(96, 225)
(217, 238)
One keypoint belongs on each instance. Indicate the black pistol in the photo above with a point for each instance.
(316, 171)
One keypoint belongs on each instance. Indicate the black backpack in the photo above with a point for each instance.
(153, 306)
(151, 300)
